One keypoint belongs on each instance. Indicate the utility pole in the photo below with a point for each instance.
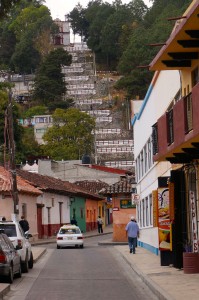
(11, 146)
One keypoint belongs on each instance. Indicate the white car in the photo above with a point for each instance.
(20, 241)
(70, 235)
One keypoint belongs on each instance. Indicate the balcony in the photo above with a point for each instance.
(176, 133)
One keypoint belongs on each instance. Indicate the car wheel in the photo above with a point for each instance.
(25, 265)
(58, 247)
(30, 263)
(82, 246)
(18, 275)
(10, 277)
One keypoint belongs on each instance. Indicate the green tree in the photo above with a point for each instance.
(78, 21)
(6, 6)
(35, 111)
(49, 84)
(70, 136)
(153, 29)
(18, 130)
(31, 26)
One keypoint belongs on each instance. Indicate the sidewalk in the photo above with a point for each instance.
(167, 283)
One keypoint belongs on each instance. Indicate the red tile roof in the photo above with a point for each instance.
(108, 169)
(124, 186)
(52, 184)
(22, 185)
(93, 186)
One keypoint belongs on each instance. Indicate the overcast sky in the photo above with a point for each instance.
(59, 8)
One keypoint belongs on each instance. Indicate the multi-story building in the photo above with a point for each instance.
(175, 140)
(148, 172)
(63, 37)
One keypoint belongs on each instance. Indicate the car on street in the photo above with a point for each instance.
(10, 262)
(70, 235)
(20, 241)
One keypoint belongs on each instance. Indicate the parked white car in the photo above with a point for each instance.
(70, 235)
(20, 241)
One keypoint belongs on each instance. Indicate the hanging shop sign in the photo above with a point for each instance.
(193, 220)
(171, 201)
(164, 222)
(126, 203)
(135, 199)
(155, 208)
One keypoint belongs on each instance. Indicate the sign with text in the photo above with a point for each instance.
(193, 220)
(164, 222)
(125, 203)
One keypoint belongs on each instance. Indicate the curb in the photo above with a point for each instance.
(159, 292)
(4, 291)
(112, 243)
(38, 257)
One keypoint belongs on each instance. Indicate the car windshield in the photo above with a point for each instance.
(8, 229)
(69, 231)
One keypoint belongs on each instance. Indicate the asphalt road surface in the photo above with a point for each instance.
(95, 272)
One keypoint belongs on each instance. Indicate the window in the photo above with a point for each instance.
(195, 76)
(170, 132)
(155, 138)
(150, 210)
(145, 160)
(143, 212)
(147, 211)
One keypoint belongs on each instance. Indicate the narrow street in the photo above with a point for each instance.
(90, 273)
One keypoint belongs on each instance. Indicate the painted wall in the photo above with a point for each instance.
(158, 101)
(51, 212)
(7, 209)
(120, 219)
(91, 214)
(78, 207)
(72, 173)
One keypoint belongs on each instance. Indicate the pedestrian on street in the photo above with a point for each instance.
(24, 224)
(73, 221)
(132, 231)
(100, 224)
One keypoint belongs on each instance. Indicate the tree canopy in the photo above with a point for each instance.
(49, 83)
(25, 36)
(119, 35)
(70, 136)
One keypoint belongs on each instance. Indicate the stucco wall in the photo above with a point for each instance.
(158, 101)
(52, 200)
(72, 173)
(120, 220)
(7, 209)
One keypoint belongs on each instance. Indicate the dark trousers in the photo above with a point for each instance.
(132, 241)
(100, 229)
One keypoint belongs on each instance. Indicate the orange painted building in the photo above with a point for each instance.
(122, 208)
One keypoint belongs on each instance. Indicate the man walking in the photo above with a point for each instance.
(132, 231)
(100, 224)
(24, 224)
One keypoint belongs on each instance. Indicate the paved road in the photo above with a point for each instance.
(95, 272)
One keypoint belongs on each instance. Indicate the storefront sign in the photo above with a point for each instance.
(193, 220)
(164, 222)
(171, 201)
(155, 208)
(126, 204)
(115, 208)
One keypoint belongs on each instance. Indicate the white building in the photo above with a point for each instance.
(156, 102)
